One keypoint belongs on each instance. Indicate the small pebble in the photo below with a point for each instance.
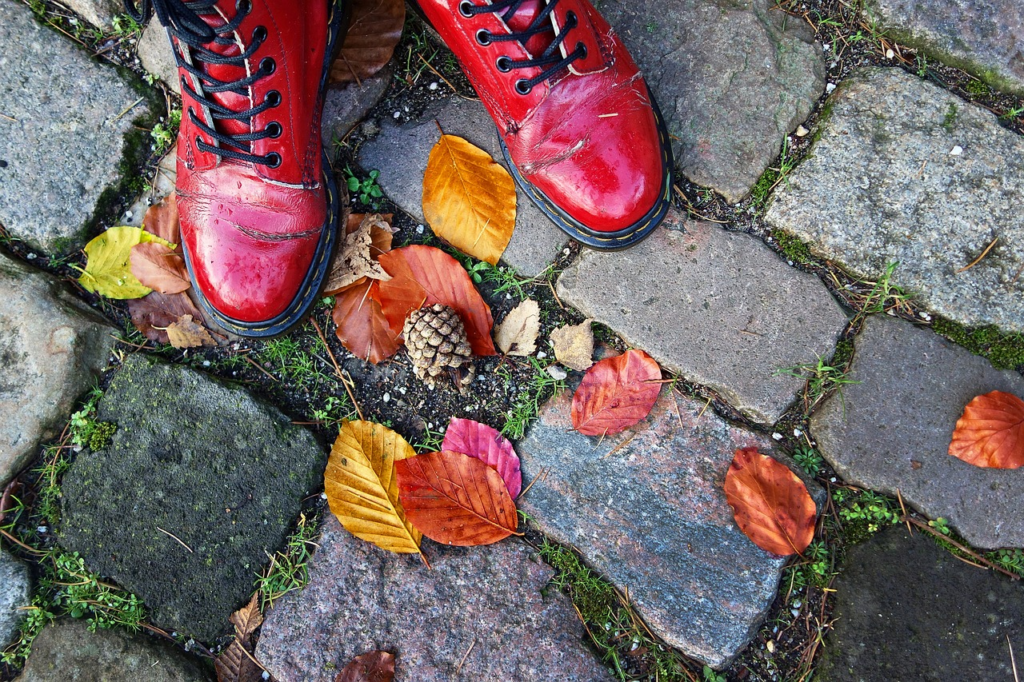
(777, 436)
(565, 252)
(397, 114)
(830, 87)
(31, 256)
(323, 496)
(797, 432)
(206, 363)
(957, 150)
(387, 397)
(541, 355)
(41, 529)
(926, 317)
(557, 373)
(801, 131)
(419, 229)
(128, 215)
(889, 54)
(433, 86)
(795, 612)
(265, 675)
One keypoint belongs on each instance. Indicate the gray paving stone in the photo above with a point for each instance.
(206, 462)
(61, 141)
(99, 13)
(718, 307)
(647, 509)
(732, 78)
(157, 56)
(489, 608)
(891, 431)
(400, 153)
(983, 36)
(345, 106)
(906, 609)
(15, 595)
(910, 173)
(52, 349)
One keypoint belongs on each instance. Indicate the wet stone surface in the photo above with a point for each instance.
(647, 509)
(479, 613)
(207, 463)
(906, 609)
(346, 105)
(891, 430)
(912, 173)
(15, 595)
(718, 307)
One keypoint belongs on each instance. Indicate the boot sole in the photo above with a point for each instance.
(323, 258)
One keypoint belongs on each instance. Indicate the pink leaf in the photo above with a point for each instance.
(485, 443)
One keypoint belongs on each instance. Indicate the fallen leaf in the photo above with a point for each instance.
(162, 220)
(770, 503)
(233, 665)
(424, 275)
(108, 268)
(152, 314)
(374, 666)
(517, 333)
(247, 618)
(357, 257)
(616, 393)
(486, 444)
(185, 333)
(159, 268)
(362, 489)
(373, 31)
(990, 433)
(455, 499)
(361, 326)
(469, 200)
(574, 345)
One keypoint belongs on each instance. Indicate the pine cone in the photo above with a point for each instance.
(436, 340)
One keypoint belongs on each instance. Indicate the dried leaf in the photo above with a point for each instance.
(159, 268)
(616, 393)
(356, 258)
(362, 489)
(469, 200)
(991, 432)
(108, 269)
(373, 32)
(486, 444)
(233, 665)
(247, 618)
(361, 326)
(424, 275)
(517, 333)
(770, 503)
(152, 314)
(455, 499)
(574, 345)
(374, 666)
(185, 333)
(162, 220)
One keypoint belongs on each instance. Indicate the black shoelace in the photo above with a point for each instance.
(551, 57)
(183, 18)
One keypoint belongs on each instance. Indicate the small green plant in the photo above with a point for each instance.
(164, 134)
(85, 430)
(809, 460)
(950, 118)
(506, 281)
(368, 191)
(922, 65)
(430, 441)
(1011, 560)
(476, 270)
(865, 513)
(334, 410)
(940, 525)
(125, 26)
(770, 179)
(651, 26)
(884, 295)
(1004, 350)
(822, 377)
(792, 247)
(977, 88)
(1011, 114)
(526, 407)
(711, 676)
(288, 570)
(286, 356)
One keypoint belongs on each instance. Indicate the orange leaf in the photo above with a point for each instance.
(152, 313)
(455, 499)
(374, 666)
(162, 220)
(159, 268)
(770, 503)
(424, 275)
(991, 432)
(373, 31)
(488, 445)
(361, 326)
(616, 393)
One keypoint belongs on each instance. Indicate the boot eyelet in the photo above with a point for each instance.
(243, 6)
(259, 34)
(483, 36)
(268, 65)
(523, 87)
(273, 98)
(582, 49)
(273, 129)
(571, 17)
(504, 64)
(465, 8)
(273, 160)
(199, 142)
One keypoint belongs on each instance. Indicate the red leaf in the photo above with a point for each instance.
(374, 666)
(486, 444)
(770, 503)
(455, 499)
(361, 326)
(159, 268)
(616, 393)
(424, 275)
(161, 310)
(162, 220)
(991, 432)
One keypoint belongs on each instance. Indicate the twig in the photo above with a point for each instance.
(323, 339)
(903, 509)
(345, 379)
(257, 366)
(619, 446)
(18, 542)
(176, 538)
(692, 210)
(128, 343)
(555, 294)
(540, 477)
(473, 644)
(355, 75)
(970, 552)
(424, 558)
(242, 647)
(1013, 660)
(127, 109)
(706, 405)
(9, 118)
(978, 259)
(437, 73)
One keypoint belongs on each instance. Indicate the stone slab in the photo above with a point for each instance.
(479, 613)
(912, 173)
(52, 349)
(647, 509)
(208, 463)
(61, 138)
(400, 153)
(99, 13)
(892, 430)
(345, 106)
(983, 36)
(67, 652)
(157, 56)
(906, 609)
(733, 77)
(15, 595)
(718, 307)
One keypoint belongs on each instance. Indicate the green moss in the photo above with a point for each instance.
(977, 88)
(1004, 350)
(792, 247)
(102, 432)
(949, 120)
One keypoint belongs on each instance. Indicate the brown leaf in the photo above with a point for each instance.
(373, 31)
(247, 618)
(990, 433)
(361, 326)
(574, 345)
(770, 503)
(616, 393)
(162, 219)
(234, 666)
(517, 333)
(455, 499)
(152, 313)
(357, 257)
(374, 666)
(159, 268)
(184, 333)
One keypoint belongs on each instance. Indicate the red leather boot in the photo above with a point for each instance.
(576, 120)
(259, 208)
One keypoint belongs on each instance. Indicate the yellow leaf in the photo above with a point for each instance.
(362, 488)
(469, 200)
(108, 270)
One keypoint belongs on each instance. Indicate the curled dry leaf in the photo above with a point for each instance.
(517, 333)
(162, 220)
(616, 393)
(159, 268)
(357, 257)
(361, 326)
(152, 314)
(362, 489)
(185, 333)
(373, 31)
(486, 444)
(233, 665)
(468, 199)
(374, 666)
(574, 345)
(770, 503)
(990, 433)
(108, 267)
(247, 618)
(456, 499)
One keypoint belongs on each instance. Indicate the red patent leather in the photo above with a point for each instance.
(587, 138)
